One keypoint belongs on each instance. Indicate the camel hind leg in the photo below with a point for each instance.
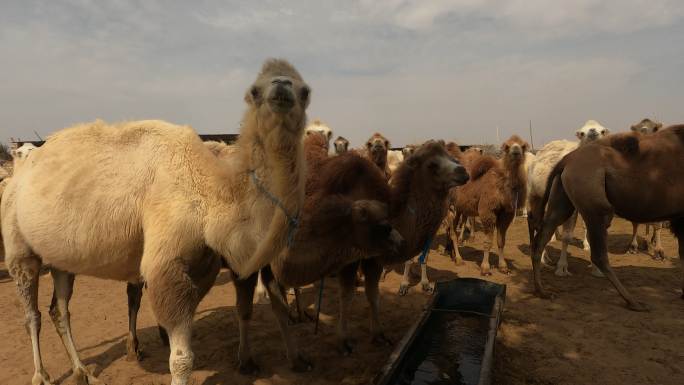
(559, 210)
(372, 270)
(347, 280)
(59, 312)
(634, 243)
(568, 230)
(597, 232)
(134, 292)
(244, 293)
(677, 227)
(175, 287)
(658, 252)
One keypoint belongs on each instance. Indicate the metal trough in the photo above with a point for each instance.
(453, 341)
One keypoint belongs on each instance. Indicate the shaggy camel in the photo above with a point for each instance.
(529, 159)
(494, 192)
(166, 214)
(537, 176)
(318, 126)
(376, 150)
(341, 145)
(646, 127)
(320, 248)
(419, 190)
(605, 179)
(467, 158)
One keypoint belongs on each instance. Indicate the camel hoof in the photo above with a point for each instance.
(249, 367)
(633, 249)
(84, 377)
(134, 355)
(459, 262)
(380, 339)
(586, 247)
(41, 378)
(562, 272)
(659, 255)
(543, 294)
(301, 365)
(485, 273)
(597, 273)
(403, 289)
(347, 347)
(262, 299)
(638, 306)
(428, 287)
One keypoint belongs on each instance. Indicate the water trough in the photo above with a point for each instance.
(453, 341)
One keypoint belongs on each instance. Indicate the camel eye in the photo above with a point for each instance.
(304, 93)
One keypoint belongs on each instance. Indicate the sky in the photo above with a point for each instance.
(410, 69)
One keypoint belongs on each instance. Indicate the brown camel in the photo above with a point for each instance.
(419, 190)
(647, 127)
(606, 179)
(341, 145)
(376, 149)
(496, 189)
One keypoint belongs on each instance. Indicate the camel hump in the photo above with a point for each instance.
(481, 166)
(627, 144)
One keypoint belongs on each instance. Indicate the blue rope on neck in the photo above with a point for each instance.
(424, 253)
(292, 220)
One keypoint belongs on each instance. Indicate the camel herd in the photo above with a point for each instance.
(148, 203)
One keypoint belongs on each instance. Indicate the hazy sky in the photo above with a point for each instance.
(412, 70)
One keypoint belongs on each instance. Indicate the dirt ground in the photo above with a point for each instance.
(584, 336)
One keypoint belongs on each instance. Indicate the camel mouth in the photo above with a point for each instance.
(281, 100)
(459, 180)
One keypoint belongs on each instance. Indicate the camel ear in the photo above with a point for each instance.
(505, 147)
(441, 142)
(579, 134)
(633, 128)
(253, 96)
(329, 135)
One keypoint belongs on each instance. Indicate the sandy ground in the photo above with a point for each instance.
(584, 336)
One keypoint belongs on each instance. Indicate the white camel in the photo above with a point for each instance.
(148, 201)
(537, 176)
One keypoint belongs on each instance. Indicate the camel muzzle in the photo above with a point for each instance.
(281, 98)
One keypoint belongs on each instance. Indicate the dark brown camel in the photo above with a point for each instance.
(341, 145)
(605, 179)
(419, 190)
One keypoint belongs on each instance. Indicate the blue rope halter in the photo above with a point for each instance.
(292, 220)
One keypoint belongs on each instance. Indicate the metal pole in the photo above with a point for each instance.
(531, 140)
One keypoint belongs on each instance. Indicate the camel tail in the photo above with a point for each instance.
(555, 173)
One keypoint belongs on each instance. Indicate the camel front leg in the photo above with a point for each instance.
(455, 254)
(59, 312)
(485, 269)
(372, 270)
(25, 270)
(244, 291)
(634, 243)
(281, 310)
(568, 230)
(261, 292)
(347, 281)
(134, 291)
(424, 281)
(404, 286)
(502, 225)
(658, 252)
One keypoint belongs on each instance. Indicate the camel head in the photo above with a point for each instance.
(514, 149)
(315, 139)
(341, 145)
(408, 150)
(279, 95)
(372, 230)
(19, 155)
(377, 147)
(646, 126)
(591, 131)
(321, 128)
(436, 167)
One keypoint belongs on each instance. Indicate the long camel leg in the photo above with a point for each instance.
(134, 292)
(281, 310)
(568, 230)
(455, 254)
(677, 227)
(597, 226)
(175, 289)
(658, 252)
(404, 285)
(488, 225)
(559, 210)
(371, 270)
(261, 292)
(59, 312)
(347, 280)
(424, 281)
(25, 269)
(244, 292)
(634, 243)
(502, 224)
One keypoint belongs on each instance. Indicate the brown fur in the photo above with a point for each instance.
(606, 181)
(419, 190)
(316, 153)
(494, 192)
(454, 150)
(376, 149)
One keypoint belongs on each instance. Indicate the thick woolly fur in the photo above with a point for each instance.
(148, 199)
